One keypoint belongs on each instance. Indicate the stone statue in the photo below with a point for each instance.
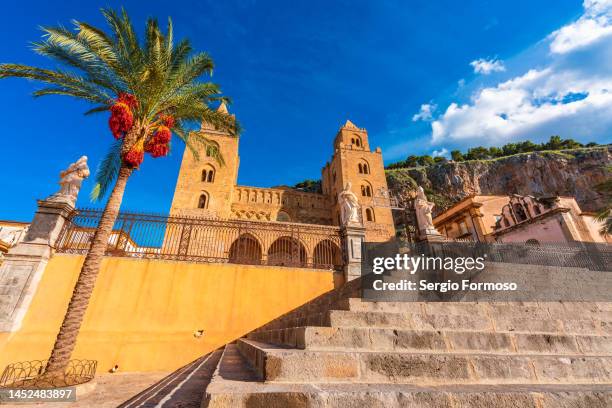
(423, 214)
(71, 180)
(349, 206)
(13, 236)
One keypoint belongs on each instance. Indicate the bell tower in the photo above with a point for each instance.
(204, 187)
(354, 162)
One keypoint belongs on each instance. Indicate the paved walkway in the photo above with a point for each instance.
(183, 388)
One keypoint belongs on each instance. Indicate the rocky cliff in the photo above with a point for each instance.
(565, 173)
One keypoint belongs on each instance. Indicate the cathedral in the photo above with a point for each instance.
(205, 189)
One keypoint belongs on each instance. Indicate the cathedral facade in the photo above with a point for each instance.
(206, 189)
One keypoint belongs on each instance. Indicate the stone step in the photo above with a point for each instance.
(466, 322)
(551, 310)
(278, 364)
(377, 339)
(444, 316)
(235, 385)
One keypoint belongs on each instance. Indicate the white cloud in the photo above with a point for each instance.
(440, 153)
(485, 67)
(425, 113)
(594, 25)
(567, 94)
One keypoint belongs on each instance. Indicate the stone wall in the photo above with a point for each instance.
(280, 204)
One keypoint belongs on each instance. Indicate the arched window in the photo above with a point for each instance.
(369, 214)
(366, 191)
(363, 168)
(519, 212)
(203, 201)
(208, 174)
(212, 151)
(357, 142)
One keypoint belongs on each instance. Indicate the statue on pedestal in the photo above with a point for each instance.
(423, 209)
(70, 181)
(349, 207)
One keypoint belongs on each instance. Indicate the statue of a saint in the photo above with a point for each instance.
(349, 206)
(71, 180)
(423, 210)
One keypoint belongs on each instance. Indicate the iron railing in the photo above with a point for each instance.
(208, 240)
(588, 255)
(31, 374)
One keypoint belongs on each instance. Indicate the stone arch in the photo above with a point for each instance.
(326, 254)
(246, 249)
(203, 200)
(287, 251)
(519, 212)
(366, 189)
(283, 216)
(533, 242)
(357, 141)
(208, 174)
(212, 149)
(363, 167)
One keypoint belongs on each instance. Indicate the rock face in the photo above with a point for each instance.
(567, 173)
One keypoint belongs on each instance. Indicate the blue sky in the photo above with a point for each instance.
(421, 76)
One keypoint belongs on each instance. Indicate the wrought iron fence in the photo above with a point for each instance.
(208, 240)
(589, 255)
(31, 374)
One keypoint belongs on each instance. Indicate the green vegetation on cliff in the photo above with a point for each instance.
(309, 186)
(554, 145)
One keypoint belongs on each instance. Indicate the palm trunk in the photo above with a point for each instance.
(67, 336)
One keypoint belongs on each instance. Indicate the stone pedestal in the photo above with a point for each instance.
(354, 236)
(429, 236)
(25, 263)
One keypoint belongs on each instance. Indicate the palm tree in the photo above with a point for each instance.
(151, 88)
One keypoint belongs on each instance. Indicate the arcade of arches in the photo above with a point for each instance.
(284, 251)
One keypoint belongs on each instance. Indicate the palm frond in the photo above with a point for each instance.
(56, 77)
(97, 109)
(184, 136)
(107, 171)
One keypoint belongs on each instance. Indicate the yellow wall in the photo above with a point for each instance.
(143, 313)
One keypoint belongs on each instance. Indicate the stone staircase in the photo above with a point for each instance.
(340, 351)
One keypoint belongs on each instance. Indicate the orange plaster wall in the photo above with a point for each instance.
(143, 313)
